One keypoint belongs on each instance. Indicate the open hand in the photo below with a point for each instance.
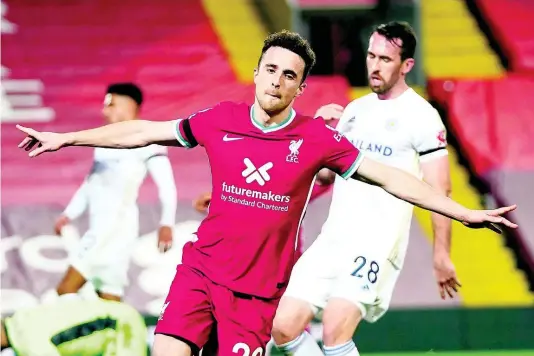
(491, 219)
(445, 274)
(45, 141)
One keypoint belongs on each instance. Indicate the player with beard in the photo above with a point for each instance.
(350, 272)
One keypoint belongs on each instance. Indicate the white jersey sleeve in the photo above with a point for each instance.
(430, 136)
(160, 170)
(349, 113)
(78, 203)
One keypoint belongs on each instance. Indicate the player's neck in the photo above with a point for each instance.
(394, 92)
(260, 116)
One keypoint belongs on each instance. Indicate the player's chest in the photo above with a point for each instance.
(263, 158)
(382, 138)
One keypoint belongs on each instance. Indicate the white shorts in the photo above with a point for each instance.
(364, 274)
(103, 256)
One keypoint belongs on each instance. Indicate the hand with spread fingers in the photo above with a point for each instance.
(445, 274)
(491, 219)
(45, 141)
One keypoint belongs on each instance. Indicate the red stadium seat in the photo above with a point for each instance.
(511, 23)
(168, 47)
(492, 121)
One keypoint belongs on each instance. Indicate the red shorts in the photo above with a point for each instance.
(195, 304)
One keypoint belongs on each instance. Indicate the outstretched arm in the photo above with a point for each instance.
(160, 170)
(407, 187)
(126, 134)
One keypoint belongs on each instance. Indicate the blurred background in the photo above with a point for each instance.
(475, 63)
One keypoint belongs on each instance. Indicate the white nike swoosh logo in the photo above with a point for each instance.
(226, 138)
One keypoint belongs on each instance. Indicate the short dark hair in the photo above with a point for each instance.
(127, 89)
(399, 30)
(293, 42)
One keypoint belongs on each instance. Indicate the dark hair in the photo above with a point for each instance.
(402, 31)
(293, 42)
(127, 89)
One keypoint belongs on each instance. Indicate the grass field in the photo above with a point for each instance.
(458, 353)
(446, 353)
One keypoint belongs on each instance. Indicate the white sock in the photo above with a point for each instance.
(303, 345)
(346, 349)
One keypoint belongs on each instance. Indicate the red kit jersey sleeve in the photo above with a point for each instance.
(339, 154)
(198, 127)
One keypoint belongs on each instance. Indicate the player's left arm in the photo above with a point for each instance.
(347, 161)
(160, 170)
(409, 188)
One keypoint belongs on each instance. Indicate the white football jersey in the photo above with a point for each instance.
(111, 189)
(400, 132)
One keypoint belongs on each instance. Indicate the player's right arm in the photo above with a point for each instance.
(127, 134)
(74, 209)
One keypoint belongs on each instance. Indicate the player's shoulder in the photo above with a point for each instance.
(419, 110)
(315, 127)
(417, 102)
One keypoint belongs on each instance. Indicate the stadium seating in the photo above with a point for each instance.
(453, 45)
(492, 120)
(333, 4)
(179, 63)
(510, 21)
(455, 49)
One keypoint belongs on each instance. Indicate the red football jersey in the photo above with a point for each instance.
(262, 180)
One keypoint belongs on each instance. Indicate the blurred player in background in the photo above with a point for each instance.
(351, 269)
(264, 158)
(110, 193)
(71, 326)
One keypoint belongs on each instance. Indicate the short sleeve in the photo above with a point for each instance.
(340, 155)
(197, 128)
(430, 139)
(347, 118)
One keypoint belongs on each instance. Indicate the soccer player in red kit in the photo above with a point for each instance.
(263, 160)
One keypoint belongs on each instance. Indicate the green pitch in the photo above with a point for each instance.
(458, 353)
(448, 353)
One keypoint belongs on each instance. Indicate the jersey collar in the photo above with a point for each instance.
(267, 129)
